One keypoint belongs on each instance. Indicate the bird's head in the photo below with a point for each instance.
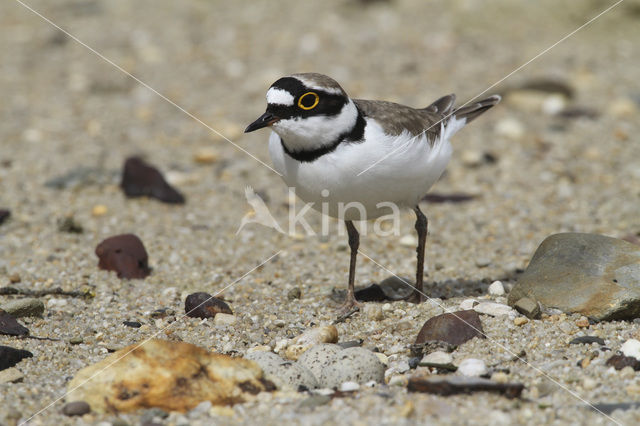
(308, 111)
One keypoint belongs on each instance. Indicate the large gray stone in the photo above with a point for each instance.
(590, 274)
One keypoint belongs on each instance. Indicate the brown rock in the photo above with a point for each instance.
(11, 327)
(203, 305)
(458, 384)
(173, 376)
(140, 179)
(620, 361)
(11, 356)
(124, 254)
(454, 328)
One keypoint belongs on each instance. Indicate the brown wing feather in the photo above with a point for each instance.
(395, 118)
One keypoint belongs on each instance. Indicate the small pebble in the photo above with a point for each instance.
(311, 337)
(408, 240)
(520, 321)
(99, 210)
(472, 367)
(468, 304)
(483, 262)
(496, 288)
(203, 305)
(631, 348)
(132, 324)
(583, 322)
(349, 387)
(493, 309)
(205, 156)
(528, 307)
(76, 340)
(294, 293)
(373, 311)
(224, 319)
(438, 358)
(76, 408)
(510, 128)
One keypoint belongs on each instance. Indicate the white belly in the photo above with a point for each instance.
(334, 180)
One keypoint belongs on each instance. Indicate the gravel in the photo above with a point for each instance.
(64, 109)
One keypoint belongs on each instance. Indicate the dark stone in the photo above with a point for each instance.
(132, 324)
(124, 254)
(4, 215)
(350, 344)
(140, 179)
(620, 361)
(11, 327)
(203, 305)
(69, 225)
(587, 340)
(528, 307)
(579, 112)
(10, 356)
(414, 362)
(162, 313)
(76, 408)
(610, 408)
(454, 328)
(589, 274)
(458, 384)
(294, 293)
(448, 198)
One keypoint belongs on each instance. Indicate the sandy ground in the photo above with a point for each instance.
(64, 108)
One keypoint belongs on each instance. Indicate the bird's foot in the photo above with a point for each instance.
(350, 307)
(416, 297)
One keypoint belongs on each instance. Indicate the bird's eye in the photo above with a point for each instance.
(308, 101)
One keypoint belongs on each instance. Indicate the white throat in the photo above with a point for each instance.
(304, 134)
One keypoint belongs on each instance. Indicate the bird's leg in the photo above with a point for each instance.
(351, 305)
(421, 227)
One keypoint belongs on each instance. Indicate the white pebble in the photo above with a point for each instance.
(437, 357)
(56, 304)
(631, 348)
(224, 319)
(496, 288)
(349, 387)
(408, 241)
(510, 128)
(553, 104)
(494, 309)
(468, 304)
(472, 367)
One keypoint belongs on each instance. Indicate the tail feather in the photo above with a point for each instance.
(470, 112)
(443, 105)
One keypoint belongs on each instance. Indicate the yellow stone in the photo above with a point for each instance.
(99, 210)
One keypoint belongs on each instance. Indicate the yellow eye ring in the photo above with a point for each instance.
(315, 102)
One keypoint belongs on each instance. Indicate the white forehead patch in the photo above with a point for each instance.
(279, 97)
